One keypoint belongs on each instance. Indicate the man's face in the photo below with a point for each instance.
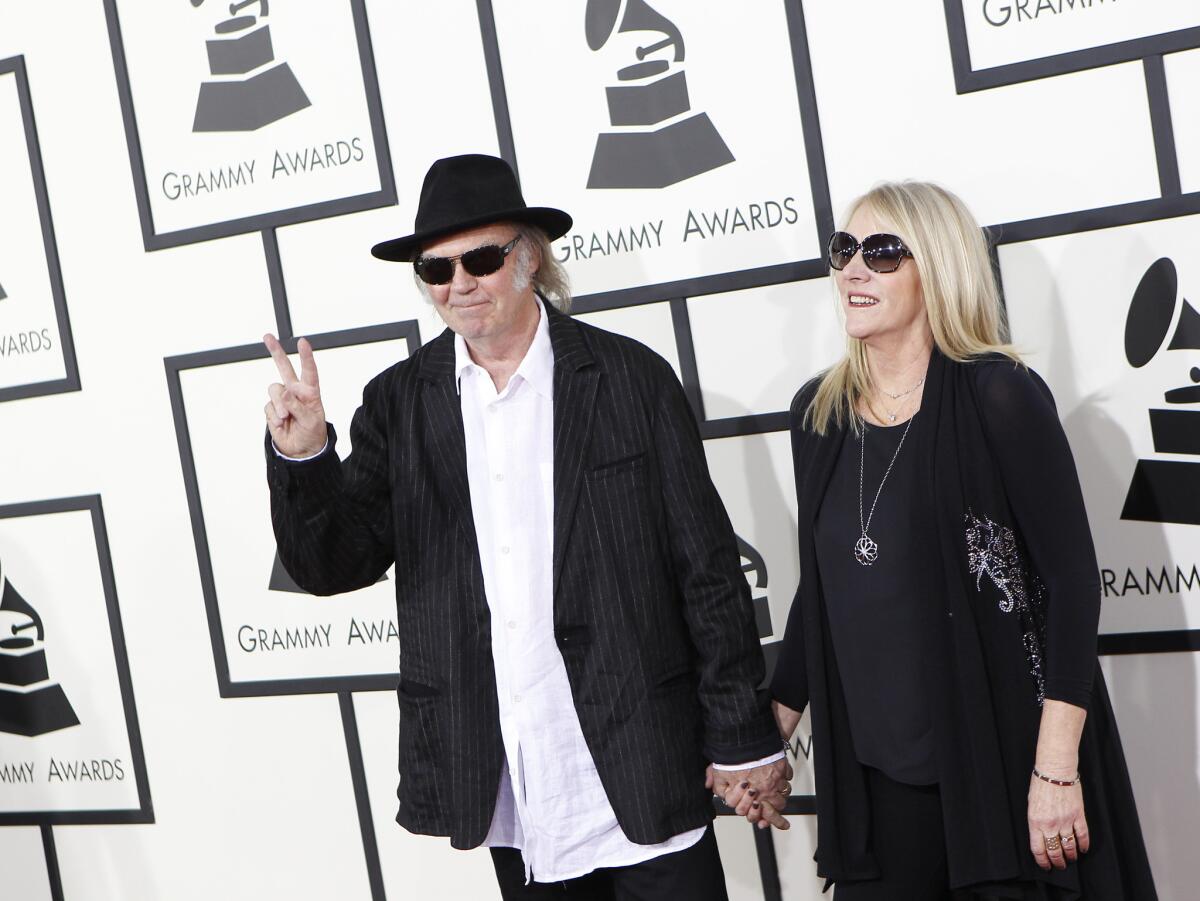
(489, 307)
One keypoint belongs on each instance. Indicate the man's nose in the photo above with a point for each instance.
(462, 282)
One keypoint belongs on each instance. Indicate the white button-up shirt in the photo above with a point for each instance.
(550, 803)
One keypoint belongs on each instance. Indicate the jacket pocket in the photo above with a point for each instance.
(632, 462)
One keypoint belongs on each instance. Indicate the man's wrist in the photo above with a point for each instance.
(778, 755)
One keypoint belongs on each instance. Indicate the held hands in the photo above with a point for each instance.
(295, 415)
(1058, 830)
(758, 794)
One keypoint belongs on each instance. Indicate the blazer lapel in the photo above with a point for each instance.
(576, 378)
(444, 439)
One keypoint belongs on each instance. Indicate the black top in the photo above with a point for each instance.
(876, 612)
(1014, 620)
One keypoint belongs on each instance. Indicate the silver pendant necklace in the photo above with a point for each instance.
(866, 551)
(890, 413)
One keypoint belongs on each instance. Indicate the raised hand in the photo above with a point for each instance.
(295, 415)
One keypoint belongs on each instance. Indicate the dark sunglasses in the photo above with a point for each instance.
(881, 253)
(478, 262)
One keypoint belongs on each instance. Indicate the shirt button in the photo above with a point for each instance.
(516, 699)
(499, 477)
(505, 549)
(512, 623)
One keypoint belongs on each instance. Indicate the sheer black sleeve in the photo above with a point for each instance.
(1040, 479)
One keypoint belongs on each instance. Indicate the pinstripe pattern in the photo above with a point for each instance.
(651, 611)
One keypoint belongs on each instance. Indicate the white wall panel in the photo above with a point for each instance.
(889, 110)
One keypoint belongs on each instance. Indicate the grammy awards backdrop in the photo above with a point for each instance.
(178, 719)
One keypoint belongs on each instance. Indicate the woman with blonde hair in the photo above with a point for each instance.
(944, 633)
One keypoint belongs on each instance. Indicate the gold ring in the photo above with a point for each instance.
(1052, 843)
(1067, 839)
(785, 789)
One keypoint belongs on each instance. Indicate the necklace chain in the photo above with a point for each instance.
(904, 393)
(866, 551)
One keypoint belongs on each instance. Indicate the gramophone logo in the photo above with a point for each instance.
(281, 580)
(30, 703)
(249, 89)
(755, 569)
(1166, 490)
(2, 294)
(659, 144)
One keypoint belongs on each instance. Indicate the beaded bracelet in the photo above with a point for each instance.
(1061, 782)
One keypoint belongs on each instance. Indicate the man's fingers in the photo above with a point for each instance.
(708, 774)
(308, 364)
(287, 374)
(279, 400)
(273, 419)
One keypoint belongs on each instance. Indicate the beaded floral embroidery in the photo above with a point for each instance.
(993, 550)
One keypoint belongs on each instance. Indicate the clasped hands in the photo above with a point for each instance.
(758, 794)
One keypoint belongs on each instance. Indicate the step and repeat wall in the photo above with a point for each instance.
(178, 719)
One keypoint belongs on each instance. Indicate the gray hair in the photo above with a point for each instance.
(549, 279)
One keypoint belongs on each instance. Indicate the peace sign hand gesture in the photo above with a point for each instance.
(295, 415)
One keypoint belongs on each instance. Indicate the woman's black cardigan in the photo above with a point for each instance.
(1017, 623)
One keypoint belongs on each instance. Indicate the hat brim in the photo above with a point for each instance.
(555, 223)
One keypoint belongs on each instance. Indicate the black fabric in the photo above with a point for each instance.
(906, 833)
(1020, 616)
(651, 611)
(695, 874)
(461, 192)
(878, 613)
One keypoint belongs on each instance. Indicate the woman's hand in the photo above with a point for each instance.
(1058, 829)
(786, 718)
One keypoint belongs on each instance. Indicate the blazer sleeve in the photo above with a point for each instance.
(738, 725)
(332, 518)
(1042, 485)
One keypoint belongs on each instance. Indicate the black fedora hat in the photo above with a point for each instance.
(463, 192)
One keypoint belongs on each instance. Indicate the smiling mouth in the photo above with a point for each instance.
(862, 300)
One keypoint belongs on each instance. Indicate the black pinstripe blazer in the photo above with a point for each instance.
(651, 611)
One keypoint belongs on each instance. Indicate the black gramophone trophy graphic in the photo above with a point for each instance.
(1166, 490)
(30, 702)
(249, 89)
(649, 154)
(281, 580)
(755, 569)
(2, 294)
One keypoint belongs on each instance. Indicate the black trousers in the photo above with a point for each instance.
(694, 874)
(908, 839)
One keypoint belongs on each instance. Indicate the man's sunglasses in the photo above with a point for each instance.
(478, 262)
(881, 253)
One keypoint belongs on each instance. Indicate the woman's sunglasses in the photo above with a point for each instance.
(478, 262)
(881, 253)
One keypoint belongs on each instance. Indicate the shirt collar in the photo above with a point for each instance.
(537, 367)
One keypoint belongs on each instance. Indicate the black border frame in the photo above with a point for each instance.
(407, 330)
(70, 382)
(144, 813)
(154, 240)
(968, 79)
(715, 283)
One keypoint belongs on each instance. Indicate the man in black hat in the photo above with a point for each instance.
(577, 642)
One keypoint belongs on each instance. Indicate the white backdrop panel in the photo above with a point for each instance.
(86, 762)
(755, 348)
(1011, 31)
(649, 323)
(680, 224)
(1068, 299)
(31, 348)
(272, 634)
(1183, 83)
(1012, 153)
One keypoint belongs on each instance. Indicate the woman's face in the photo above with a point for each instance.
(880, 307)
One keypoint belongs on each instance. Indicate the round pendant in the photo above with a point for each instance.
(866, 551)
